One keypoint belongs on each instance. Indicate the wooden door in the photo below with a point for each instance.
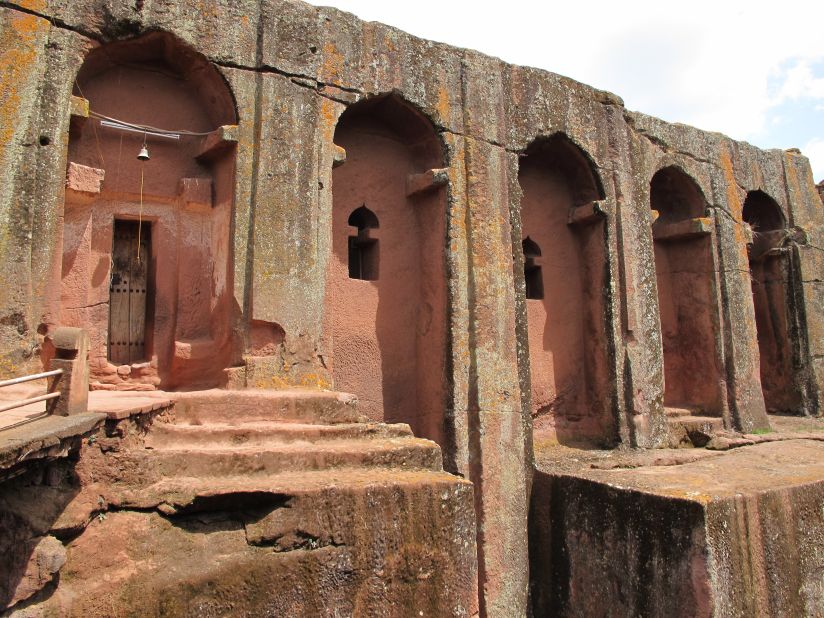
(127, 292)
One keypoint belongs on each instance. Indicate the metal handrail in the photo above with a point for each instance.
(29, 378)
(34, 376)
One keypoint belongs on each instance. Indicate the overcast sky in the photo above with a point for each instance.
(753, 70)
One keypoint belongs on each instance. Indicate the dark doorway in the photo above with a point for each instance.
(128, 290)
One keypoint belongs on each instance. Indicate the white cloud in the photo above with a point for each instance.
(799, 82)
(814, 150)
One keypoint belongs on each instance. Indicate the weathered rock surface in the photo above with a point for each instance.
(292, 70)
(47, 556)
(733, 534)
(271, 508)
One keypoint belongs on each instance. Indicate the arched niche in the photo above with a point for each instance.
(770, 274)
(566, 270)
(388, 325)
(675, 196)
(687, 298)
(160, 315)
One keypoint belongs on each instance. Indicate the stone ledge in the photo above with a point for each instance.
(123, 413)
(737, 532)
(46, 437)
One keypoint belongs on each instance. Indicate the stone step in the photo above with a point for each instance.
(205, 493)
(693, 431)
(218, 460)
(262, 433)
(675, 411)
(237, 407)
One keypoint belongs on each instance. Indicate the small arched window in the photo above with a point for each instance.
(532, 270)
(363, 250)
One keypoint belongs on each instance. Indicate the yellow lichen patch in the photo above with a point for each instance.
(329, 118)
(686, 494)
(389, 43)
(206, 9)
(792, 176)
(314, 380)
(736, 206)
(733, 199)
(444, 105)
(17, 60)
(332, 63)
(309, 380)
(8, 368)
(32, 5)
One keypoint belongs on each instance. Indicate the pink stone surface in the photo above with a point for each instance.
(567, 343)
(188, 268)
(388, 335)
(84, 179)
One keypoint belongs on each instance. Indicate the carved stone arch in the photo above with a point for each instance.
(560, 151)
(388, 325)
(404, 119)
(676, 196)
(153, 229)
(762, 212)
(564, 243)
(772, 272)
(688, 297)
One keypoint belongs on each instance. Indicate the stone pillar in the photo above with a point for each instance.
(72, 356)
(805, 216)
(497, 457)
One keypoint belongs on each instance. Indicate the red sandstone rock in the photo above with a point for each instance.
(262, 516)
(84, 179)
(460, 354)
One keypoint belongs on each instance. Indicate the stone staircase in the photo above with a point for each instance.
(689, 429)
(283, 441)
(309, 486)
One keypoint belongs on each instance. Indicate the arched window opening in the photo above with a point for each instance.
(363, 250)
(766, 221)
(532, 271)
(762, 213)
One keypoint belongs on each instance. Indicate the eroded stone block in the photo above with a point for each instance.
(84, 179)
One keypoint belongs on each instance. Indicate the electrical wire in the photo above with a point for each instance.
(148, 128)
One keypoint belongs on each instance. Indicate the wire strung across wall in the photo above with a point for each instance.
(145, 129)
